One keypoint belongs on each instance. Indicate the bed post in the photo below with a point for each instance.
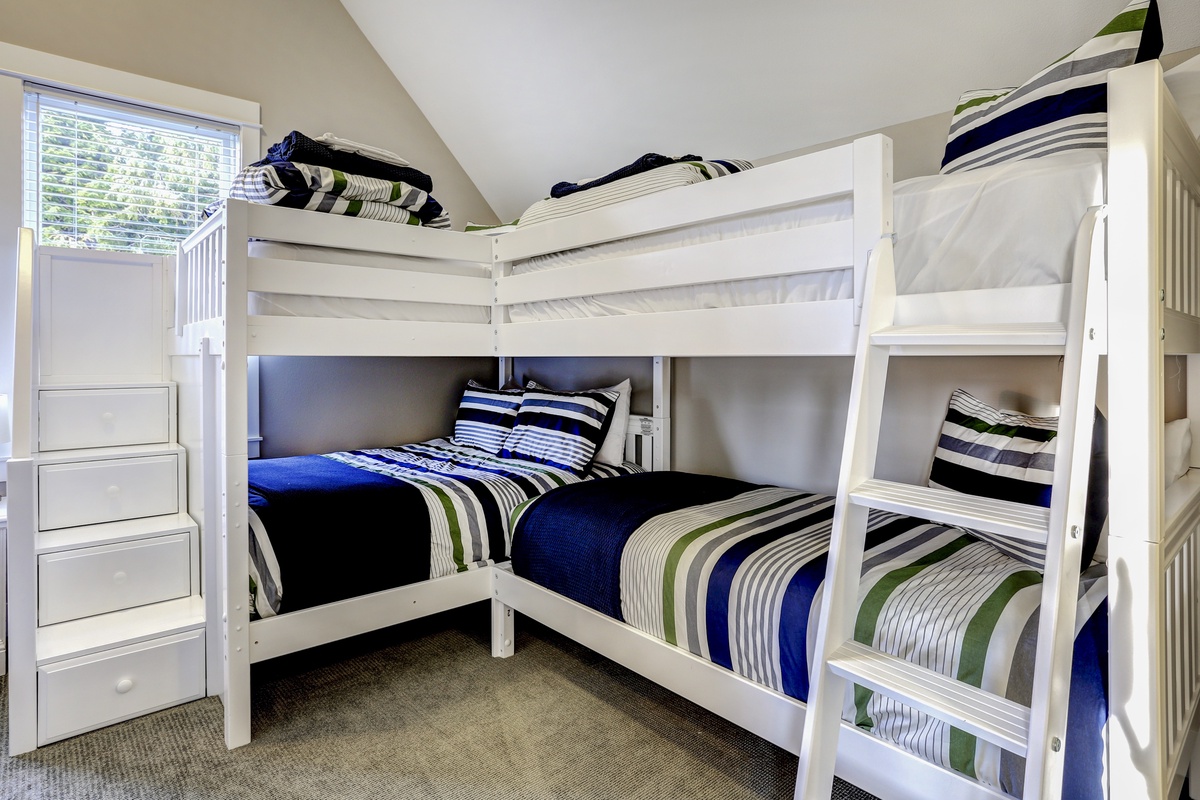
(1137, 694)
(872, 206)
(503, 629)
(232, 402)
(662, 412)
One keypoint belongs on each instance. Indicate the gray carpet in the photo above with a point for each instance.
(424, 711)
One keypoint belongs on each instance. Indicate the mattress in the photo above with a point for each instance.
(733, 573)
(345, 524)
(1008, 225)
(291, 305)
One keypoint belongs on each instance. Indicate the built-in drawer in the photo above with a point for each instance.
(69, 419)
(88, 492)
(95, 580)
(84, 693)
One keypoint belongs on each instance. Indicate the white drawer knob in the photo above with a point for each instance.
(124, 685)
(119, 578)
(108, 416)
(113, 490)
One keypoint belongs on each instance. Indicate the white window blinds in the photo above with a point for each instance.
(107, 176)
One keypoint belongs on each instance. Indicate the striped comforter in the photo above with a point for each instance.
(738, 581)
(346, 524)
(331, 191)
(683, 173)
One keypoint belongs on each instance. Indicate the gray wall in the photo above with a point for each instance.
(306, 407)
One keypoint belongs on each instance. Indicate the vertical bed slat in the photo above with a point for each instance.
(1169, 273)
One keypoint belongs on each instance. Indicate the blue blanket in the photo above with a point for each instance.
(338, 531)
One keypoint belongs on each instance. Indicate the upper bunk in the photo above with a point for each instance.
(767, 262)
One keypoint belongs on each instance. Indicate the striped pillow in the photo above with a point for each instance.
(486, 417)
(1009, 456)
(1063, 107)
(562, 429)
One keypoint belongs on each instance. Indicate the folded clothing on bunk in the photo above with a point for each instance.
(315, 188)
(644, 164)
(300, 149)
(303, 173)
(682, 173)
(733, 573)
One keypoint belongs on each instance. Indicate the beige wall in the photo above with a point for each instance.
(304, 61)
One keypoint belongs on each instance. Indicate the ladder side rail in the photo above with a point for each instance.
(1086, 340)
(818, 747)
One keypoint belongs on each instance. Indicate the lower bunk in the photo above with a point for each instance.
(711, 587)
(346, 542)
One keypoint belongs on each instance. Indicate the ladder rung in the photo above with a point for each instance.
(983, 714)
(1015, 520)
(1004, 337)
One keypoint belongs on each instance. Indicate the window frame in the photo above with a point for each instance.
(44, 102)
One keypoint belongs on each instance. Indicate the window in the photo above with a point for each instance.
(110, 176)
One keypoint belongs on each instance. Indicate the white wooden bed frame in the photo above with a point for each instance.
(1151, 245)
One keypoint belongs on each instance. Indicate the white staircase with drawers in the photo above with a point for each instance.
(106, 618)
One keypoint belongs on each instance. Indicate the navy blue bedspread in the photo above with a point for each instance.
(338, 531)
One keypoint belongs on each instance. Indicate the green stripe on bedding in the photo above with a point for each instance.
(871, 609)
(681, 545)
(974, 657)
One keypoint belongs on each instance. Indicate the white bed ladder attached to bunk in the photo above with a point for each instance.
(1037, 732)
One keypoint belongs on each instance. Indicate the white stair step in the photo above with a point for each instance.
(1015, 520)
(983, 714)
(1015, 337)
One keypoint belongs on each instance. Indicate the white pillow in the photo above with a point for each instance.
(1177, 449)
(1184, 83)
(612, 451)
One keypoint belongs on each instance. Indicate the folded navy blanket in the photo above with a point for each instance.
(300, 149)
(644, 164)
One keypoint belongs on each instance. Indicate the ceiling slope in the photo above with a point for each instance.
(526, 93)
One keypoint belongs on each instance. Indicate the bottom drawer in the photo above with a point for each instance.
(92, 691)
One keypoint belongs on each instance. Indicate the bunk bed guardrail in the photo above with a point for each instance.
(413, 274)
(858, 173)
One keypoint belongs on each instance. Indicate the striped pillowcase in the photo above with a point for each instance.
(1063, 107)
(486, 417)
(997, 454)
(1009, 456)
(562, 429)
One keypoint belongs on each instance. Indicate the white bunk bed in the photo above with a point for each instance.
(1153, 179)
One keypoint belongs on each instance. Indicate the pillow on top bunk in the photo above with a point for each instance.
(1008, 456)
(561, 429)
(1063, 107)
(486, 416)
(1183, 82)
(612, 450)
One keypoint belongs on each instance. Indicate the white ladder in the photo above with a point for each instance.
(1035, 732)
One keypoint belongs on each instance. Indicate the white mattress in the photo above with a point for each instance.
(1009, 225)
(294, 305)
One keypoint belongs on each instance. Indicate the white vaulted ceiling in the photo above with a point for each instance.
(526, 93)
